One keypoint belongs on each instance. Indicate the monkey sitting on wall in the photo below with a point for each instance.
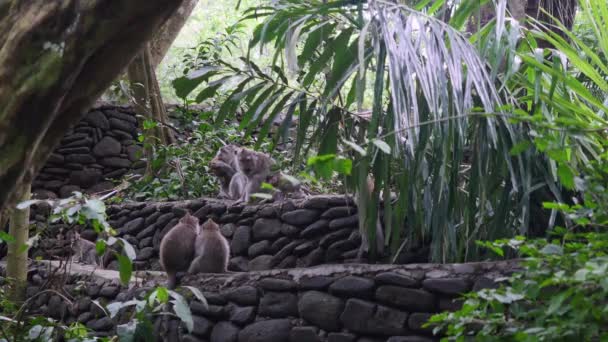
(285, 186)
(225, 165)
(211, 250)
(255, 167)
(83, 250)
(177, 248)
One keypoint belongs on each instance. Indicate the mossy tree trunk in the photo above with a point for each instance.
(56, 59)
(16, 265)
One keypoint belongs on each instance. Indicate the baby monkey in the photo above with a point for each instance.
(83, 250)
(177, 248)
(224, 166)
(212, 250)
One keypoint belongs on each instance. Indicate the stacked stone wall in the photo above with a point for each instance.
(328, 303)
(100, 148)
(295, 233)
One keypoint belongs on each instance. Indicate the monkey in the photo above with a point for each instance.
(255, 166)
(211, 250)
(177, 248)
(363, 231)
(83, 250)
(225, 165)
(237, 185)
(285, 185)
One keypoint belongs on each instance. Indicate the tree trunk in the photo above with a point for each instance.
(56, 58)
(16, 264)
(165, 37)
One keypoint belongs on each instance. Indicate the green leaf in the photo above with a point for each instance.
(198, 294)
(185, 85)
(520, 147)
(6, 237)
(125, 269)
(182, 310)
(356, 147)
(566, 176)
(343, 166)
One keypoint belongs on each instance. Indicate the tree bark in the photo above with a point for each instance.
(56, 58)
(16, 261)
(165, 37)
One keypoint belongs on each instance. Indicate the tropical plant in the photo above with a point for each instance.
(439, 133)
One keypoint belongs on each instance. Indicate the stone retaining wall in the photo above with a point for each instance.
(295, 233)
(101, 147)
(327, 303)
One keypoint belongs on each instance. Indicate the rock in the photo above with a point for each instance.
(449, 286)
(289, 230)
(368, 318)
(392, 278)
(107, 147)
(417, 319)
(80, 142)
(279, 243)
(275, 330)
(126, 116)
(202, 326)
(410, 339)
(215, 298)
(224, 332)
(321, 309)
(258, 248)
(241, 240)
(164, 219)
(300, 217)
(102, 324)
(285, 251)
(262, 262)
(350, 221)
(152, 218)
(314, 229)
(213, 311)
(304, 248)
(145, 254)
(229, 218)
(79, 159)
(84, 317)
(450, 303)
(335, 250)
(315, 283)
(274, 284)
(133, 227)
(341, 337)
(57, 308)
(189, 338)
(44, 194)
(116, 162)
(337, 212)
(269, 212)
(121, 125)
(238, 264)
(149, 231)
(266, 229)
(411, 300)
(211, 208)
(85, 178)
(485, 283)
(134, 152)
(179, 212)
(351, 286)
(115, 174)
(242, 315)
(278, 305)
(97, 119)
(304, 334)
(316, 202)
(109, 292)
(228, 230)
(67, 190)
(335, 236)
(243, 295)
(316, 257)
(289, 262)
(74, 150)
(56, 158)
(56, 171)
(100, 187)
(249, 210)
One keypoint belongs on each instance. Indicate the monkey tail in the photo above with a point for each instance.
(171, 281)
